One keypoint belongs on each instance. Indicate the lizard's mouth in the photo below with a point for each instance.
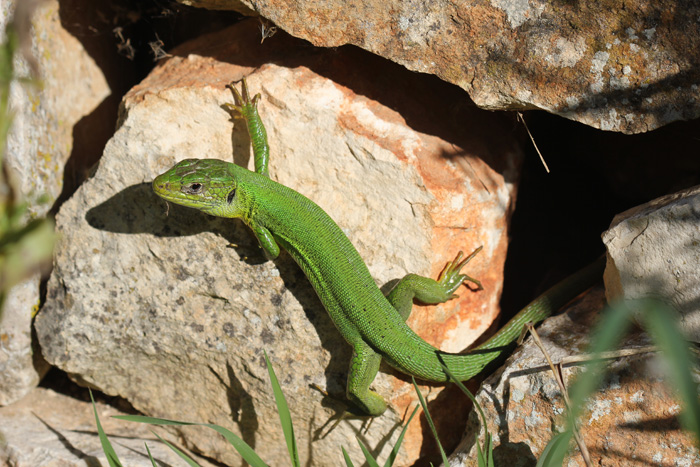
(164, 190)
(167, 191)
(171, 192)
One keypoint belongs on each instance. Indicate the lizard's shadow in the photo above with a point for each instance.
(138, 210)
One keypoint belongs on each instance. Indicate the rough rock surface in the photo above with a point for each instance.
(654, 251)
(618, 66)
(630, 421)
(48, 429)
(20, 367)
(41, 138)
(153, 303)
(39, 144)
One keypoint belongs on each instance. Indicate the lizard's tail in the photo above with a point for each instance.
(426, 362)
(467, 366)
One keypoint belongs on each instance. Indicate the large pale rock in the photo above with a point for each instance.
(152, 302)
(654, 251)
(39, 144)
(630, 421)
(619, 67)
(48, 429)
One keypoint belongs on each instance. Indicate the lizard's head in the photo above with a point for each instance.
(204, 184)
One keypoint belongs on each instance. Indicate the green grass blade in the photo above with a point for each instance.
(555, 451)
(177, 451)
(395, 451)
(371, 461)
(246, 452)
(480, 459)
(607, 335)
(488, 440)
(430, 421)
(112, 458)
(285, 416)
(484, 457)
(348, 461)
(465, 391)
(150, 456)
(676, 351)
(241, 446)
(152, 420)
(489, 452)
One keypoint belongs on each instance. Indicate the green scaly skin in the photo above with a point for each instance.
(372, 323)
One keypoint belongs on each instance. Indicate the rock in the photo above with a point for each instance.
(654, 251)
(49, 429)
(235, 5)
(152, 303)
(622, 67)
(630, 421)
(39, 144)
(20, 367)
(72, 86)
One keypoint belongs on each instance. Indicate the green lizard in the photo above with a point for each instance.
(372, 323)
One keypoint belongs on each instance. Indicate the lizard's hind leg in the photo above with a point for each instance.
(430, 291)
(363, 368)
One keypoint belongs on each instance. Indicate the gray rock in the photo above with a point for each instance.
(627, 67)
(654, 251)
(47, 429)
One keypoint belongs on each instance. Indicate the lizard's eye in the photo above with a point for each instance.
(193, 188)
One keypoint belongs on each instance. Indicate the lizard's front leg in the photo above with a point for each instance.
(247, 108)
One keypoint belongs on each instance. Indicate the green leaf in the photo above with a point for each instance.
(661, 321)
(555, 451)
(106, 445)
(488, 440)
(489, 451)
(150, 456)
(484, 457)
(606, 336)
(371, 461)
(246, 452)
(285, 416)
(430, 421)
(395, 451)
(177, 451)
(152, 420)
(241, 446)
(348, 461)
(23, 251)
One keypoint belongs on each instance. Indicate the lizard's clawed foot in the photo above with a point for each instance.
(243, 104)
(349, 410)
(451, 279)
(346, 411)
